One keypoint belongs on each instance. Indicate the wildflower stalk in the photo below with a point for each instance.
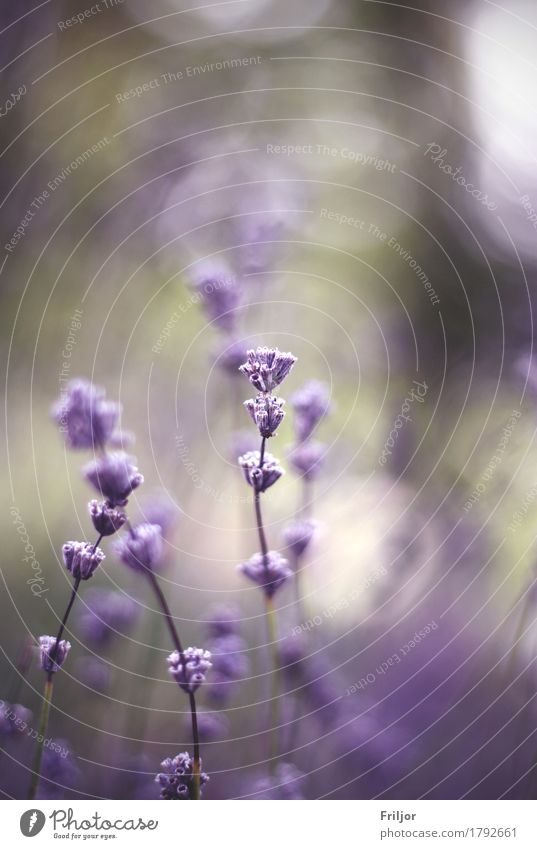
(49, 687)
(163, 604)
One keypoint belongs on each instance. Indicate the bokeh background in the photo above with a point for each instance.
(367, 172)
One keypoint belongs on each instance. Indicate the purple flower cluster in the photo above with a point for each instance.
(228, 653)
(115, 476)
(270, 571)
(266, 368)
(220, 293)
(85, 417)
(177, 779)
(141, 549)
(298, 535)
(106, 613)
(310, 405)
(52, 653)
(261, 475)
(189, 668)
(81, 559)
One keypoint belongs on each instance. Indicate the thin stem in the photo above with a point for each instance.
(271, 623)
(49, 686)
(177, 643)
(43, 723)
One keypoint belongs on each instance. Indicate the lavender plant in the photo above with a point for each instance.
(89, 421)
(266, 369)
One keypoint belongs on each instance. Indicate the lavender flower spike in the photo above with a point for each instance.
(220, 293)
(47, 646)
(114, 476)
(141, 550)
(260, 477)
(311, 404)
(266, 368)
(106, 520)
(177, 780)
(81, 559)
(84, 415)
(308, 458)
(267, 413)
(197, 664)
(298, 535)
(270, 572)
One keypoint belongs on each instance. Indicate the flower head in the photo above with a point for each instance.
(177, 779)
(115, 476)
(298, 535)
(287, 783)
(84, 415)
(267, 413)
(52, 656)
(192, 675)
(308, 458)
(222, 620)
(141, 549)
(311, 404)
(270, 572)
(229, 657)
(106, 613)
(266, 368)
(220, 293)
(263, 476)
(14, 719)
(81, 559)
(106, 520)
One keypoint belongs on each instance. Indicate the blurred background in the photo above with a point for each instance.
(365, 174)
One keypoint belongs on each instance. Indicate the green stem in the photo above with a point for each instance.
(43, 723)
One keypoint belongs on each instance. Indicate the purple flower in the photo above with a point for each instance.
(267, 413)
(220, 293)
(298, 535)
(222, 620)
(106, 520)
(266, 368)
(95, 674)
(270, 572)
(81, 559)
(308, 458)
(115, 476)
(141, 549)
(14, 719)
(286, 783)
(211, 726)
(260, 477)
(311, 404)
(85, 416)
(231, 356)
(177, 779)
(106, 614)
(59, 772)
(52, 657)
(159, 509)
(197, 664)
(229, 657)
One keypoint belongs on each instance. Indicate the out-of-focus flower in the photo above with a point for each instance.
(106, 520)
(142, 548)
(59, 772)
(177, 779)
(269, 572)
(52, 657)
(266, 368)
(106, 613)
(221, 620)
(159, 509)
(94, 673)
(286, 783)
(84, 416)
(14, 719)
(82, 559)
(220, 292)
(307, 458)
(212, 726)
(298, 535)
(241, 442)
(311, 404)
(267, 413)
(229, 657)
(192, 675)
(231, 357)
(115, 476)
(260, 477)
